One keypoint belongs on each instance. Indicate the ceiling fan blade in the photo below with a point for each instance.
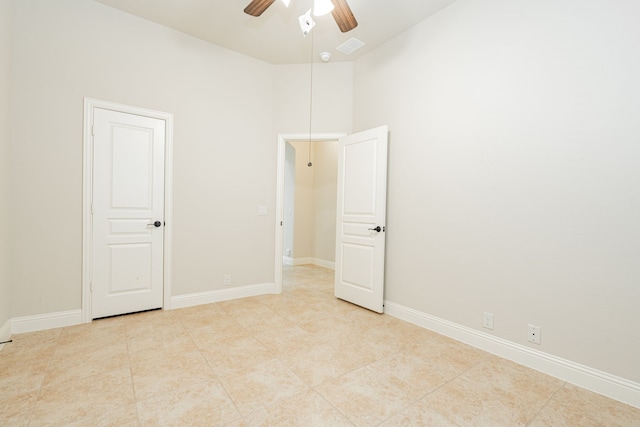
(256, 7)
(343, 16)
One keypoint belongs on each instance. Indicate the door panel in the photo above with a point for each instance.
(128, 197)
(361, 208)
(129, 268)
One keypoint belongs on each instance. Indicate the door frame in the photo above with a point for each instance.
(87, 196)
(283, 138)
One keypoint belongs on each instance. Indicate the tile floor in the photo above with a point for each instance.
(302, 358)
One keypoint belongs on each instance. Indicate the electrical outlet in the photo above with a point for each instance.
(487, 320)
(534, 334)
(227, 279)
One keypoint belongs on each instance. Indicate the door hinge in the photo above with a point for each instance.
(91, 287)
(92, 130)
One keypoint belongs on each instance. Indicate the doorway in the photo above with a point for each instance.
(305, 216)
(126, 209)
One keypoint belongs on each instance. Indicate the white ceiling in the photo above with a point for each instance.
(275, 36)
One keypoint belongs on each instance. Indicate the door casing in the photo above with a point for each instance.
(87, 196)
(283, 138)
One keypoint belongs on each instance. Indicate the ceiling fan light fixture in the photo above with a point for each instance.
(322, 7)
(306, 23)
(286, 2)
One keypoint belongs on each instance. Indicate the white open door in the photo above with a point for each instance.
(128, 213)
(360, 222)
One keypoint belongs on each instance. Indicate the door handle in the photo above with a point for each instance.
(158, 224)
(378, 229)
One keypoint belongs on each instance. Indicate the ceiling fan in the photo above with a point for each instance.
(341, 12)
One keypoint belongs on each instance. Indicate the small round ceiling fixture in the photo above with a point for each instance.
(325, 56)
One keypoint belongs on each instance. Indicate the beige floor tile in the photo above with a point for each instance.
(254, 316)
(103, 399)
(15, 410)
(307, 409)
(204, 403)
(21, 352)
(262, 386)
(236, 355)
(575, 406)
(365, 397)
(268, 324)
(86, 362)
(223, 329)
(419, 414)
(90, 337)
(238, 306)
(154, 323)
(332, 328)
(285, 341)
(529, 385)
(155, 346)
(305, 310)
(363, 319)
(415, 377)
(239, 423)
(37, 337)
(450, 357)
(468, 404)
(380, 342)
(18, 377)
(325, 361)
(200, 316)
(169, 375)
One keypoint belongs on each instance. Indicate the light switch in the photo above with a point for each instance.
(262, 210)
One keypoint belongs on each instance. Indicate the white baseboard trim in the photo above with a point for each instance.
(323, 263)
(315, 261)
(219, 295)
(5, 332)
(597, 381)
(40, 322)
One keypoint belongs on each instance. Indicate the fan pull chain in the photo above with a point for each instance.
(310, 99)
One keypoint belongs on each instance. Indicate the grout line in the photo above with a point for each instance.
(546, 403)
(133, 386)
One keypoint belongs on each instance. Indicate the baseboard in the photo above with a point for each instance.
(219, 295)
(41, 322)
(315, 261)
(597, 381)
(5, 332)
(322, 263)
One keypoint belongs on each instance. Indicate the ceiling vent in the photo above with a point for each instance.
(350, 46)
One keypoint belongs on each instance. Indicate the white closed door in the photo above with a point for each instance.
(127, 213)
(360, 222)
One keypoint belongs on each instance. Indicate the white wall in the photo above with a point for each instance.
(6, 38)
(513, 171)
(332, 98)
(224, 146)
